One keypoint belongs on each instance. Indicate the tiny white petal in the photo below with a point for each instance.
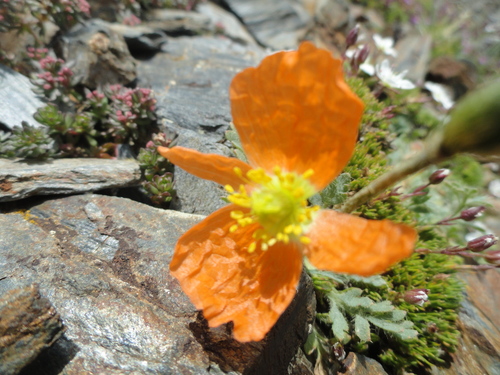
(391, 79)
(385, 45)
(439, 94)
(350, 52)
(367, 68)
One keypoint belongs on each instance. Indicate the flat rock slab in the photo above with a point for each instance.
(18, 102)
(103, 263)
(21, 179)
(275, 24)
(226, 23)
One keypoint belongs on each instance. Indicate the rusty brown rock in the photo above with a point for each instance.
(28, 325)
(478, 352)
(357, 364)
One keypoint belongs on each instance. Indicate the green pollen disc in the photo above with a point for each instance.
(277, 202)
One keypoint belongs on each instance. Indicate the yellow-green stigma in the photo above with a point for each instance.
(277, 202)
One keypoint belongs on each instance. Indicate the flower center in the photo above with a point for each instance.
(277, 202)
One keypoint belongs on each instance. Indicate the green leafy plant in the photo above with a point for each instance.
(350, 312)
(234, 139)
(157, 171)
(27, 141)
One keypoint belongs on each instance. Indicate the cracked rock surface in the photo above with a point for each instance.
(103, 264)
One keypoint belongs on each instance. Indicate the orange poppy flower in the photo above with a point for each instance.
(298, 123)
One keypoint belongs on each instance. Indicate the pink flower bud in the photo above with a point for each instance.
(472, 213)
(352, 37)
(416, 296)
(482, 243)
(362, 55)
(493, 257)
(438, 176)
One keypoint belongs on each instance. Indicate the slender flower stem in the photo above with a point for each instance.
(479, 267)
(429, 155)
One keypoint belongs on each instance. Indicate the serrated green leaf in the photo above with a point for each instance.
(311, 343)
(397, 329)
(381, 307)
(408, 334)
(316, 200)
(407, 324)
(351, 297)
(373, 281)
(398, 315)
(340, 326)
(336, 192)
(240, 154)
(386, 325)
(362, 328)
(330, 275)
(233, 137)
(352, 293)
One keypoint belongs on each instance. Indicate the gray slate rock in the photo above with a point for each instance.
(18, 102)
(193, 194)
(225, 23)
(103, 263)
(191, 80)
(176, 22)
(22, 179)
(97, 55)
(191, 83)
(414, 54)
(140, 39)
(275, 24)
(334, 15)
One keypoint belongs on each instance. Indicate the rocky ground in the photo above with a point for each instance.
(84, 279)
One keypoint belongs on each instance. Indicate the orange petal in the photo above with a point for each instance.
(295, 111)
(211, 167)
(228, 283)
(350, 244)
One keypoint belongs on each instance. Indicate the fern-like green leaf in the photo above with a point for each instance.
(335, 193)
(362, 328)
(340, 326)
(382, 307)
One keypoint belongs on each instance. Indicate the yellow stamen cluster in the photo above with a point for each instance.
(277, 202)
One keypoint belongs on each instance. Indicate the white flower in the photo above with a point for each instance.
(440, 94)
(391, 79)
(367, 68)
(386, 45)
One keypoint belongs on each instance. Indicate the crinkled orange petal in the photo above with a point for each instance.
(228, 283)
(295, 111)
(211, 167)
(350, 244)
